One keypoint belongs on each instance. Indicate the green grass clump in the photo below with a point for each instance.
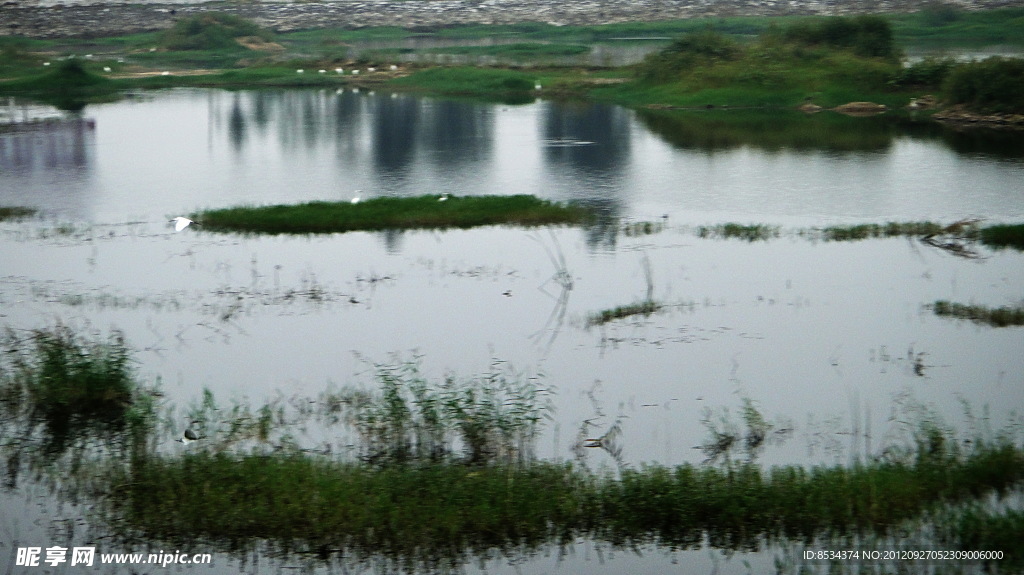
(64, 375)
(992, 85)
(393, 213)
(464, 81)
(1003, 235)
(887, 230)
(750, 233)
(997, 317)
(644, 308)
(494, 417)
(15, 212)
(427, 513)
(519, 51)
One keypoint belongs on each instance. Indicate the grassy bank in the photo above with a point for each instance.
(425, 513)
(393, 213)
(755, 62)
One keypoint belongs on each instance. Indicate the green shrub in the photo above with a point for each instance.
(928, 72)
(697, 48)
(992, 85)
(865, 35)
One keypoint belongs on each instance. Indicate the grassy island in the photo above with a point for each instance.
(423, 212)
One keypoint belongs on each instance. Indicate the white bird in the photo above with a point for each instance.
(371, 69)
(181, 223)
(299, 71)
(321, 71)
(443, 198)
(356, 72)
(165, 73)
(339, 70)
(393, 67)
(189, 435)
(106, 68)
(537, 86)
(357, 197)
(46, 63)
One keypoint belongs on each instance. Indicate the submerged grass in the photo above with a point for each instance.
(749, 232)
(420, 513)
(887, 230)
(15, 212)
(1004, 316)
(644, 308)
(393, 213)
(1006, 235)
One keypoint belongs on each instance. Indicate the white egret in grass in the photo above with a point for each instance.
(393, 67)
(371, 69)
(355, 72)
(190, 434)
(106, 68)
(165, 73)
(321, 71)
(46, 63)
(357, 198)
(181, 223)
(339, 70)
(444, 197)
(537, 86)
(299, 71)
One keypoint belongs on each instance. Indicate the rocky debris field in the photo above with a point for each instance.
(33, 18)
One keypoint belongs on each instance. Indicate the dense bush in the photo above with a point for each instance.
(992, 85)
(867, 36)
(696, 48)
(928, 72)
(211, 31)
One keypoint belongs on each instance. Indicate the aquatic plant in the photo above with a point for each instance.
(65, 393)
(645, 308)
(750, 233)
(887, 230)
(394, 213)
(444, 513)
(1003, 235)
(15, 212)
(492, 417)
(65, 375)
(1002, 316)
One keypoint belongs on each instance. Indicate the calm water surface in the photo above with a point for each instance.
(831, 340)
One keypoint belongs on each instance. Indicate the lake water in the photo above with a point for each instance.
(832, 341)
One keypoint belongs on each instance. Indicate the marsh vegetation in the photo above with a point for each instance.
(431, 212)
(408, 498)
